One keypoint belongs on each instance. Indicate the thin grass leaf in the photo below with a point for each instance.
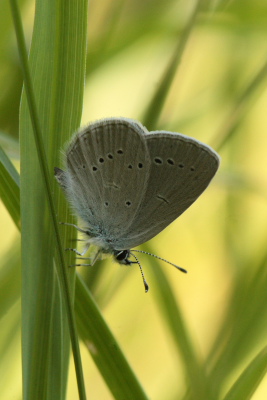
(9, 187)
(153, 111)
(172, 315)
(244, 325)
(10, 278)
(239, 111)
(11, 76)
(247, 383)
(125, 23)
(10, 145)
(56, 84)
(104, 349)
(9, 339)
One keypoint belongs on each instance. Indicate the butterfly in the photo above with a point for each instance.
(127, 184)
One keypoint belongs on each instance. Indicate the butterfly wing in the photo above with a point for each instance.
(107, 171)
(181, 169)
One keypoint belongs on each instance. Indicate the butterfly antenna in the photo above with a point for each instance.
(159, 258)
(142, 273)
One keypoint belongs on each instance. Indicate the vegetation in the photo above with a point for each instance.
(196, 67)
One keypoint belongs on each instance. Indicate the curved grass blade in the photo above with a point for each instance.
(239, 110)
(9, 187)
(196, 377)
(153, 111)
(10, 278)
(245, 386)
(103, 347)
(244, 325)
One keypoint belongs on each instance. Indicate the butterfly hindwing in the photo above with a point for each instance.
(181, 169)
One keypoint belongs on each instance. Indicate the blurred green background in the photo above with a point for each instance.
(217, 95)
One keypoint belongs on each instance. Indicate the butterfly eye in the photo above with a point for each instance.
(121, 255)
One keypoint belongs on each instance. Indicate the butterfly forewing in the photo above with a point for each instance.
(108, 165)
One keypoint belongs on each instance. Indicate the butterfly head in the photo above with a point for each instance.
(122, 256)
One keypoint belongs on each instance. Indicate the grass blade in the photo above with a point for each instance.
(9, 187)
(174, 321)
(102, 345)
(239, 110)
(44, 369)
(249, 380)
(153, 111)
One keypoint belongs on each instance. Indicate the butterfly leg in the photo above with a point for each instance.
(77, 252)
(94, 259)
(75, 226)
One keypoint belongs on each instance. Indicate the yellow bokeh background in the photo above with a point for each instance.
(221, 233)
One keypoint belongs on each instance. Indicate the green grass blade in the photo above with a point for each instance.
(249, 380)
(104, 349)
(243, 326)
(152, 113)
(58, 88)
(10, 279)
(239, 111)
(10, 145)
(175, 323)
(9, 187)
